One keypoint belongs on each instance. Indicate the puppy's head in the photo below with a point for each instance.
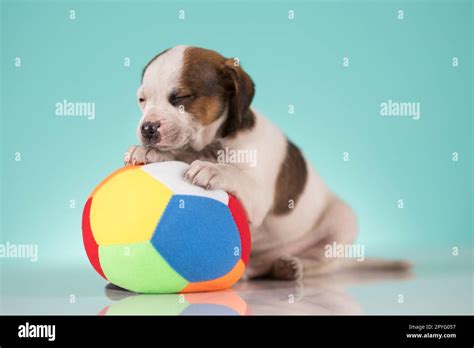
(189, 96)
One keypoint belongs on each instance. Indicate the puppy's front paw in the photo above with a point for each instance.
(138, 155)
(205, 174)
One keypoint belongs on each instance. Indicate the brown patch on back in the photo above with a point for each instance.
(291, 180)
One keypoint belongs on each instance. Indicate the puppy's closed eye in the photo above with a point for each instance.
(178, 99)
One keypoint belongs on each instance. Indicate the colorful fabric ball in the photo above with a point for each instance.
(148, 230)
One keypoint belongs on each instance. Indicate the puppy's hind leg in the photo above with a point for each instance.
(292, 260)
(340, 222)
(287, 268)
(337, 224)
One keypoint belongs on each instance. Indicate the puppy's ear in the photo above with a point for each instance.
(240, 89)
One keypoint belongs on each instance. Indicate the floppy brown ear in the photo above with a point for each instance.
(240, 89)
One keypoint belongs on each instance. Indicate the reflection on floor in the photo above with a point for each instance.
(436, 286)
(316, 296)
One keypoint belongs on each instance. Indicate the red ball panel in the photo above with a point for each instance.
(92, 249)
(241, 221)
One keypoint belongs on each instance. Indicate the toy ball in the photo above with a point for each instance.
(148, 230)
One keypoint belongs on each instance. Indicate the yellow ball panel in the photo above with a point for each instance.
(127, 208)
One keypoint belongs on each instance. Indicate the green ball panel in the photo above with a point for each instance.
(170, 304)
(140, 268)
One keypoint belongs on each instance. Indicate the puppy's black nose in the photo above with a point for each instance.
(150, 130)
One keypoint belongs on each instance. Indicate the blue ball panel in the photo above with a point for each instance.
(197, 240)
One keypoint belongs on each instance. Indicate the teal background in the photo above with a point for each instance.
(292, 62)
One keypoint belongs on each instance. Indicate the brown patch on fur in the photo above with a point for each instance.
(202, 79)
(246, 123)
(241, 92)
(206, 108)
(212, 150)
(216, 85)
(210, 153)
(291, 180)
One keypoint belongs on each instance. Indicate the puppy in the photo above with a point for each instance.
(195, 103)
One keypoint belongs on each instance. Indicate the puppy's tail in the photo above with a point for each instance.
(379, 264)
(368, 264)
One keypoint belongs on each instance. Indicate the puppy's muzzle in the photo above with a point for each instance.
(151, 131)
